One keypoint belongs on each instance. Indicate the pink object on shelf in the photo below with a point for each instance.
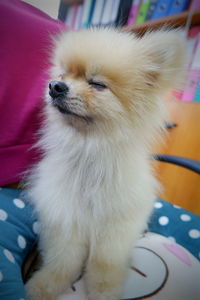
(194, 31)
(191, 85)
(75, 8)
(195, 5)
(134, 12)
(178, 94)
(26, 35)
(193, 73)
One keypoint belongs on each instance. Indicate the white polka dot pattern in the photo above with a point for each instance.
(21, 242)
(158, 205)
(3, 215)
(185, 218)
(9, 255)
(19, 203)
(176, 206)
(36, 227)
(163, 220)
(194, 233)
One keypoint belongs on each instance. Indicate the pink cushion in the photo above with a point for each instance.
(25, 35)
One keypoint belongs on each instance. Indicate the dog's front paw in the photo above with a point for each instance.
(35, 290)
(40, 287)
(109, 294)
(103, 297)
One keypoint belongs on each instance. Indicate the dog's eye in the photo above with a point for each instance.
(97, 85)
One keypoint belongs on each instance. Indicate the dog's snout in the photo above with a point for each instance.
(57, 88)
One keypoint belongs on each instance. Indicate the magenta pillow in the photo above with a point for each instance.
(26, 36)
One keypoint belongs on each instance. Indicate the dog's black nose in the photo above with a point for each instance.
(57, 88)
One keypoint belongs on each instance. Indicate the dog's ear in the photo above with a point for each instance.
(165, 58)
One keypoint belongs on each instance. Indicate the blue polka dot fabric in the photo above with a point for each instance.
(18, 234)
(179, 224)
(19, 228)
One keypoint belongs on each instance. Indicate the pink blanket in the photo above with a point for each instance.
(25, 35)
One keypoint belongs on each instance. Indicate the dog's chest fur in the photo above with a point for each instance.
(89, 181)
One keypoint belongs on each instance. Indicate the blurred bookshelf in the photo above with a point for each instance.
(137, 17)
(174, 21)
(120, 20)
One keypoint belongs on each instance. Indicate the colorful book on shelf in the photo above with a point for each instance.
(133, 12)
(162, 9)
(123, 12)
(97, 12)
(115, 10)
(107, 11)
(151, 9)
(178, 6)
(194, 31)
(197, 92)
(195, 5)
(78, 18)
(191, 47)
(88, 6)
(196, 66)
(191, 85)
(75, 12)
(143, 11)
(62, 12)
(192, 43)
(193, 74)
(70, 17)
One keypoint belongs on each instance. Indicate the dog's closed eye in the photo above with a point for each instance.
(97, 85)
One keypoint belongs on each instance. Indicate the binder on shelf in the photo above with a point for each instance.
(188, 91)
(75, 11)
(191, 85)
(97, 12)
(70, 17)
(193, 74)
(78, 19)
(195, 5)
(107, 11)
(134, 12)
(151, 9)
(143, 11)
(123, 12)
(162, 9)
(196, 66)
(178, 6)
(88, 6)
(62, 11)
(115, 10)
(197, 92)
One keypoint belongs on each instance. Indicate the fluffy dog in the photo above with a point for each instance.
(94, 187)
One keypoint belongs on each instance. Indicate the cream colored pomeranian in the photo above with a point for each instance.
(94, 188)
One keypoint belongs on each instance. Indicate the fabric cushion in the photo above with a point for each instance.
(177, 223)
(26, 36)
(160, 270)
(18, 228)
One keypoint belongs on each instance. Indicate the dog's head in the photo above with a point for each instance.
(105, 78)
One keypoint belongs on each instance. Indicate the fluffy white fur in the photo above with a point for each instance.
(94, 188)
